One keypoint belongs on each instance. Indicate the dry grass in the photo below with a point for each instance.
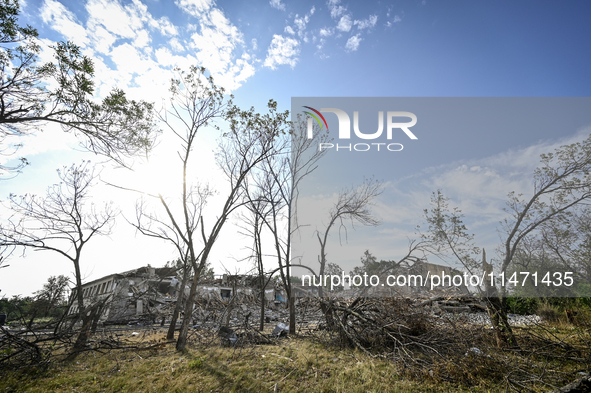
(549, 356)
(294, 365)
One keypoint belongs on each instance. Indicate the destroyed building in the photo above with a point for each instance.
(416, 280)
(122, 296)
(149, 292)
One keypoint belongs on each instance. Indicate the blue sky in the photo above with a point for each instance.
(281, 49)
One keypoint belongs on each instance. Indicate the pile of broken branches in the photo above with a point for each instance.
(451, 348)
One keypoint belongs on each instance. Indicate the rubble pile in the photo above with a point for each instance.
(241, 311)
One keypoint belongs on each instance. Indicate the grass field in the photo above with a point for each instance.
(293, 365)
(549, 356)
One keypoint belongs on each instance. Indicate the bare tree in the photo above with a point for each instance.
(295, 157)
(253, 228)
(568, 242)
(195, 102)
(64, 221)
(448, 238)
(561, 183)
(353, 205)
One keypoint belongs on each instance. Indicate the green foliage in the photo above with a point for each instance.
(522, 305)
(295, 280)
(49, 302)
(562, 183)
(51, 299)
(196, 364)
(447, 235)
(116, 126)
(10, 31)
(332, 269)
(18, 308)
(207, 273)
(371, 266)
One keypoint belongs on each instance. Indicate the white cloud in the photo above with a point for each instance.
(102, 39)
(254, 43)
(481, 186)
(366, 23)
(277, 4)
(117, 20)
(326, 32)
(60, 19)
(282, 50)
(301, 23)
(336, 10)
(289, 30)
(165, 57)
(142, 40)
(353, 43)
(109, 20)
(195, 7)
(397, 19)
(345, 23)
(216, 43)
(238, 73)
(321, 43)
(129, 60)
(176, 44)
(165, 26)
(122, 33)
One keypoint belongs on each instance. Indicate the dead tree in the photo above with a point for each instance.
(195, 102)
(295, 157)
(253, 228)
(62, 222)
(352, 205)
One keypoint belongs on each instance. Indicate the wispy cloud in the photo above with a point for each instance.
(366, 23)
(345, 24)
(353, 43)
(60, 19)
(478, 187)
(195, 7)
(277, 4)
(282, 51)
(326, 32)
(336, 10)
(301, 22)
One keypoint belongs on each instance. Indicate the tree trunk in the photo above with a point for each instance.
(497, 312)
(292, 319)
(497, 309)
(181, 342)
(85, 332)
(262, 324)
(59, 323)
(177, 307)
(327, 311)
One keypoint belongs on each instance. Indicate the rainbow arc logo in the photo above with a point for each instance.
(315, 117)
